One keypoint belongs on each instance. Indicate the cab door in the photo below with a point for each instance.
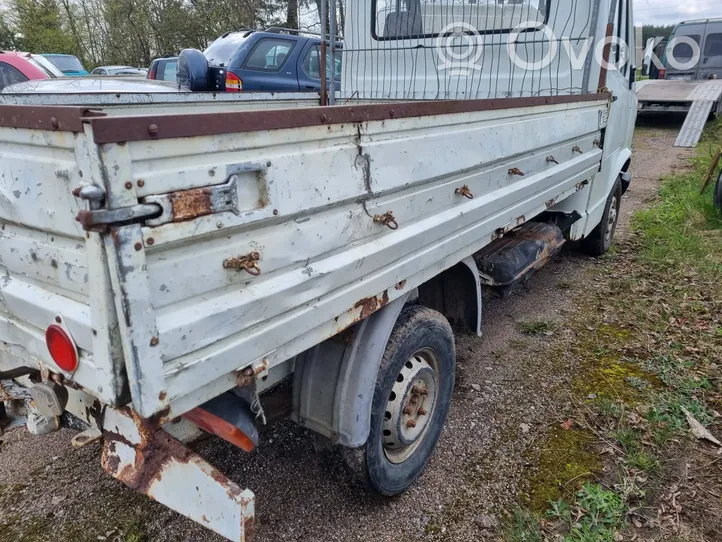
(622, 114)
(620, 82)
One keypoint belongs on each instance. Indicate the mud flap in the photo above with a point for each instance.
(154, 463)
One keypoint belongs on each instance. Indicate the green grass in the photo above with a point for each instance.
(684, 227)
(596, 515)
(523, 527)
(658, 310)
(536, 327)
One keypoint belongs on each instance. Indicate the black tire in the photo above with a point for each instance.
(418, 329)
(600, 240)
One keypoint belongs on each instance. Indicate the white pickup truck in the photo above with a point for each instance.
(164, 264)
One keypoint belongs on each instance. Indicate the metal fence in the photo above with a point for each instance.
(459, 49)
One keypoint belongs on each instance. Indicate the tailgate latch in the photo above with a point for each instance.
(189, 204)
(98, 219)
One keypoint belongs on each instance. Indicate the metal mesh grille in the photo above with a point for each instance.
(460, 49)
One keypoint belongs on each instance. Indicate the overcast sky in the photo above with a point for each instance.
(674, 11)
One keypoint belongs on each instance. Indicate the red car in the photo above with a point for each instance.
(18, 67)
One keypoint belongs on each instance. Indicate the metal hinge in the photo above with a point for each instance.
(99, 220)
(189, 204)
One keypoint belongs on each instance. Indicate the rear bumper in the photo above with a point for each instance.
(148, 456)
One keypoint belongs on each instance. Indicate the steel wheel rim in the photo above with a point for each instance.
(411, 405)
(612, 220)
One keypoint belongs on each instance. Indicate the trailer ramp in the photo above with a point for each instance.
(696, 98)
(704, 98)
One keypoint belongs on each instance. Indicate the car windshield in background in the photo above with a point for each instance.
(169, 73)
(66, 63)
(222, 50)
(41, 67)
(125, 71)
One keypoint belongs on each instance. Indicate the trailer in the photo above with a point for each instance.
(165, 265)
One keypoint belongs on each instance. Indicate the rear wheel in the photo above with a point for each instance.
(600, 239)
(413, 392)
(718, 193)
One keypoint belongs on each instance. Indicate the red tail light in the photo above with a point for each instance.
(151, 74)
(62, 348)
(233, 82)
(663, 73)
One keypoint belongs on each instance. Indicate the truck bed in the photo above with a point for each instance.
(345, 207)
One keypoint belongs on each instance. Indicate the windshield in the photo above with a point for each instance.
(39, 65)
(171, 67)
(222, 50)
(66, 63)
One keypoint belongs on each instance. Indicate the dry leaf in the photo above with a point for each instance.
(567, 425)
(699, 430)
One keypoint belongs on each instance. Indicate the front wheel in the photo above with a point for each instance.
(411, 401)
(600, 239)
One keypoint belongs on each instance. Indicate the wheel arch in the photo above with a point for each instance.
(334, 381)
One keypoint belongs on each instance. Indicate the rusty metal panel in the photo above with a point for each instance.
(320, 261)
(114, 129)
(48, 267)
(41, 117)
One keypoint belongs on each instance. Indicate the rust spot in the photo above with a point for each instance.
(400, 285)
(155, 451)
(370, 305)
(249, 528)
(245, 377)
(162, 395)
(550, 203)
(188, 204)
(581, 185)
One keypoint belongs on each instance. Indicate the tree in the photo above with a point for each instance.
(7, 34)
(292, 14)
(40, 28)
(651, 31)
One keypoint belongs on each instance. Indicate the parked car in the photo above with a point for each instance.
(119, 70)
(164, 68)
(16, 67)
(707, 33)
(90, 84)
(272, 60)
(68, 64)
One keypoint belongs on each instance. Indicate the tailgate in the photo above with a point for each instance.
(49, 269)
(279, 229)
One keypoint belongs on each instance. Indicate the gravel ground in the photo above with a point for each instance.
(49, 491)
